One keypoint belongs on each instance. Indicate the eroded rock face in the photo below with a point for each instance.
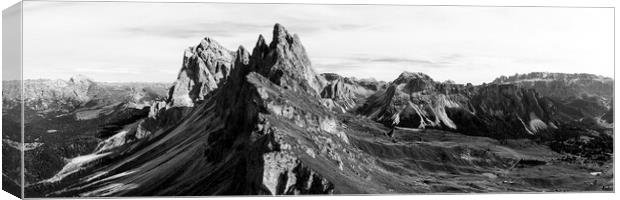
(498, 110)
(205, 67)
(346, 93)
(285, 62)
(285, 174)
(577, 96)
(510, 107)
(417, 101)
(510, 111)
(560, 85)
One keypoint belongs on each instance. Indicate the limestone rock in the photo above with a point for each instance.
(347, 92)
(285, 62)
(205, 67)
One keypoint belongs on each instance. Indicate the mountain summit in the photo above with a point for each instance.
(285, 62)
(205, 67)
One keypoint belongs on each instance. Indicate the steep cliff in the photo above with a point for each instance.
(205, 67)
(497, 110)
(346, 92)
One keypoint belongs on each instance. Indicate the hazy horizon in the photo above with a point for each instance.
(144, 42)
(172, 80)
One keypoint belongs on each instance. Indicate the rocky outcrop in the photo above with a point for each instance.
(285, 62)
(205, 67)
(577, 96)
(510, 107)
(497, 110)
(417, 101)
(347, 93)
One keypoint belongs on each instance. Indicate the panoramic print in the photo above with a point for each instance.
(198, 99)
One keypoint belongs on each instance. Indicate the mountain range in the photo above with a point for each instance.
(264, 122)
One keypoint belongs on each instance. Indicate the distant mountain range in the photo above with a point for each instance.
(264, 122)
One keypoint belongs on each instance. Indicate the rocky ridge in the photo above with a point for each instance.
(577, 96)
(497, 110)
(561, 85)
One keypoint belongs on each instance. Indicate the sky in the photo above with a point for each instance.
(144, 42)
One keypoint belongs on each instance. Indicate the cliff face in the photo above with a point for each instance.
(509, 111)
(343, 94)
(497, 110)
(285, 62)
(417, 101)
(562, 86)
(577, 96)
(205, 67)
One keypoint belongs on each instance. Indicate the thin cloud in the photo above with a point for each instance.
(190, 30)
(400, 60)
(352, 63)
(231, 28)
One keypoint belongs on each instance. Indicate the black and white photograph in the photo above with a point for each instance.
(174, 99)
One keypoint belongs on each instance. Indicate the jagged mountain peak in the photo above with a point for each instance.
(285, 62)
(80, 79)
(209, 46)
(208, 42)
(408, 76)
(208, 39)
(260, 49)
(281, 35)
(414, 82)
(242, 55)
(205, 67)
